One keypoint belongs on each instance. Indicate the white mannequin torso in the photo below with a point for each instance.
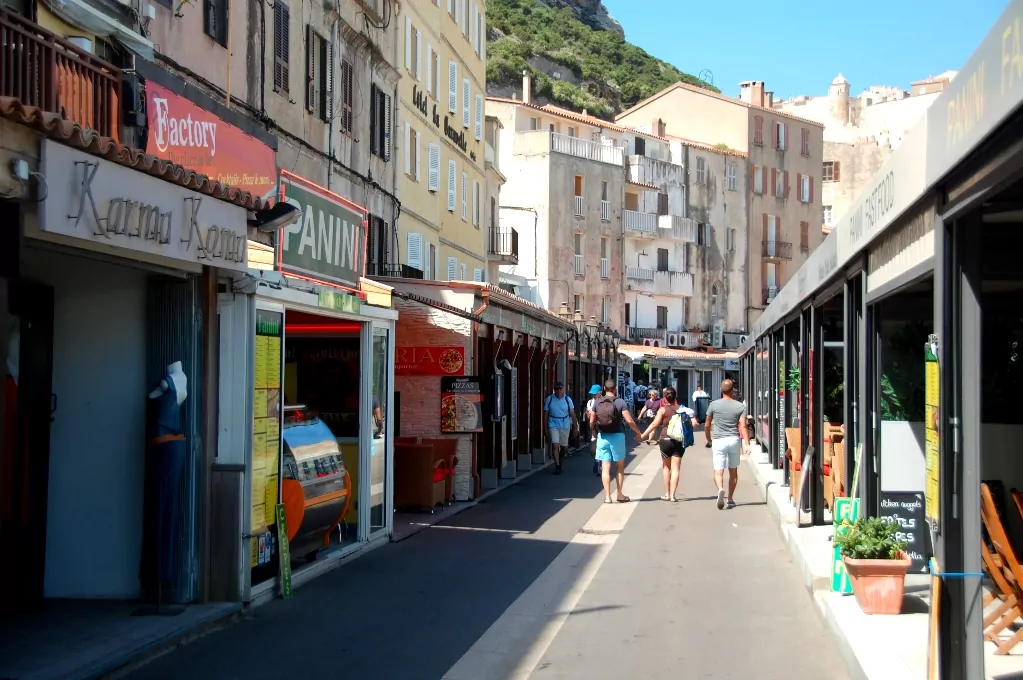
(177, 376)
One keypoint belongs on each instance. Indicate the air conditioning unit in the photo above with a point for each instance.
(717, 334)
(652, 342)
(674, 339)
(646, 342)
(743, 339)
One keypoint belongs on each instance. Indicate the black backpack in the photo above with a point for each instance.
(609, 416)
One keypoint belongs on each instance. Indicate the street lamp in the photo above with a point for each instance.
(564, 313)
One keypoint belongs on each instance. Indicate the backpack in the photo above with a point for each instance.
(609, 416)
(569, 406)
(680, 429)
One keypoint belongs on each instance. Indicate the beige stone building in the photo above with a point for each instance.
(502, 245)
(860, 132)
(784, 162)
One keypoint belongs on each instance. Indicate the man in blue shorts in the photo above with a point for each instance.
(607, 417)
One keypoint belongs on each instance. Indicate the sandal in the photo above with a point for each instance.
(666, 497)
(607, 501)
(624, 499)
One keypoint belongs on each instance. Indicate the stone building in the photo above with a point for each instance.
(860, 132)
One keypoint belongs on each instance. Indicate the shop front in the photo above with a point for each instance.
(472, 365)
(899, 338)
(320, 380)
(105, 317)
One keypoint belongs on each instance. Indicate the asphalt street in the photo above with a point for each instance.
(543, 581)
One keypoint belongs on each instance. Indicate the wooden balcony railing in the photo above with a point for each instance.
(43, 70)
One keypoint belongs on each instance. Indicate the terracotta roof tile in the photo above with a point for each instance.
(88, 140)
(701, 145)
(668, 352)
(572, 115)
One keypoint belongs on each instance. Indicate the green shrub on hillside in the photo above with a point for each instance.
(615, 74)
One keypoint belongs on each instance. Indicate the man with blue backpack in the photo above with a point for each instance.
(676, 437)
(560, 420)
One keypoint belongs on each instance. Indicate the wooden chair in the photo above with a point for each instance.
(1009, 569)
(1002, 591)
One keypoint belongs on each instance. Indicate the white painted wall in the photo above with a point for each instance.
(643, 310)
(97, 439)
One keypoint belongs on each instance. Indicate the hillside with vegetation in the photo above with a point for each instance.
(577, 54)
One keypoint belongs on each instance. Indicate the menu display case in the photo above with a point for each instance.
(316, 487)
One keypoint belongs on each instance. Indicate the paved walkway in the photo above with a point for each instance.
(544, 581)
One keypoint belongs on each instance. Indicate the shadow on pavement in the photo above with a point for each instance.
(412, 609)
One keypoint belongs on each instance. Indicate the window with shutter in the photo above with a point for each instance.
(465, 102)
(479, 117)
(452, 268)
(429, 260)
(476, 204)
(416, 153)
(347, 96)
(326, 103)
(282, 47)
(215, 23)
(465, 197)
(837, 171)
(374, 121)
(477, 275)
(408, 148)
(430, 71)
(408, 43)
(414, 250)
(451, 185)
(452, 86)
(804, 236)
(461, 272)
(312, 80)
(386, 100)
(434, 167)
(662, 204)
(417, 38)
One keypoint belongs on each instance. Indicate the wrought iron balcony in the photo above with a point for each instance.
(504, 244)
(43, 70)
(770, 292)
(777, 250)
(401, 271)
(641, 334)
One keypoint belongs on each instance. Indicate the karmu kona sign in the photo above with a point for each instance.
(186, 134)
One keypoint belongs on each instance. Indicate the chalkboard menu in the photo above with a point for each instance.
(908, 510)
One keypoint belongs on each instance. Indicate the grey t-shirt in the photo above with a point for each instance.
(725, 415)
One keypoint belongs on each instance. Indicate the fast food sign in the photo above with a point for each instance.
(429, 361)
(461, 405)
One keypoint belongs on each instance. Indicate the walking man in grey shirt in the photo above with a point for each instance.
(726, 432)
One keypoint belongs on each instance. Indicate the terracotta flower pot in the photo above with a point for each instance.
(878, 584)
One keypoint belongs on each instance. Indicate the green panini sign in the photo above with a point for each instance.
(328, 243)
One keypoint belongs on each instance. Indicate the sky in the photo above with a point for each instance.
(799, 47)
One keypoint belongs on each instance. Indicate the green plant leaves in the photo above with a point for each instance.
(869, 538)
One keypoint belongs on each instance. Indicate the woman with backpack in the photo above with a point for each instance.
(678, 423)
(607, 418)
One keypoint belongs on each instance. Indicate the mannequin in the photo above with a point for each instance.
(166, 452)
(177, 376)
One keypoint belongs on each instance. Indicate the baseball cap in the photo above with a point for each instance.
(558, 385)
(595, 389)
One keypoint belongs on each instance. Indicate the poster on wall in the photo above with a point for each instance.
(932, 437)
(461, 405)
(266, 433)
(429, 361)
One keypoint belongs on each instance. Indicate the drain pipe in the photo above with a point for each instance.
(485, 294)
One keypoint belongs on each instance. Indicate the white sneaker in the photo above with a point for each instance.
(721, 499)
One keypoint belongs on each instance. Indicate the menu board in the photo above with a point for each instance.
(513, 402)
(266, 432)
(461, 405)
(933, 437)
(907, 508)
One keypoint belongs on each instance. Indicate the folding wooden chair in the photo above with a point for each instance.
(1002, 591)
(1007, 567)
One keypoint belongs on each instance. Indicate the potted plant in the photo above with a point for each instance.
(876, 562)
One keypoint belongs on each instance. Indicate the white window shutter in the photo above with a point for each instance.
(465, 199)
(434, 163)
(479, 117)
(429, 69)
(461, 273)
(451, 7)
(483, 43)
(465, 102)
(419, 55)
(474, 28)
(427, 260)
(408, 148)
(452, 86)
(408, 43)
(414, 250)
(475, 203)
(419, 157)
(477, 275)
(436, 262)
(452, 268)
(451, 185)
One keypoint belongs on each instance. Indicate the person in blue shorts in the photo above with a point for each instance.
(607, 418)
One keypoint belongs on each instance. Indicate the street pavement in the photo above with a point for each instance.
(543, 581)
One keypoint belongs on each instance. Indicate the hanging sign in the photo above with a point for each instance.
(328, 242)
(513, 402)
(932, 435)
(461, 405)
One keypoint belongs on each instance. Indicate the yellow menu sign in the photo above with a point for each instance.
(266, 431)
(932, 491)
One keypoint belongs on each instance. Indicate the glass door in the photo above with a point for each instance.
(381, 431)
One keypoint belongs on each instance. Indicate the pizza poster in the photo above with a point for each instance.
(429, 361)
(461, 405)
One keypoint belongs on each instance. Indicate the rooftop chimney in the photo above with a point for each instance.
(585, 114)
(527, 87)
(752, 92)
(769, 100)
(658, 127)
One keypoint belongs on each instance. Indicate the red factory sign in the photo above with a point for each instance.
(429, 361)
(186, 134)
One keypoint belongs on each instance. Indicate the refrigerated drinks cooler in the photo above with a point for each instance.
(316, 487)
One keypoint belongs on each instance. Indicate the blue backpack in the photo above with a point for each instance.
(680, 429)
